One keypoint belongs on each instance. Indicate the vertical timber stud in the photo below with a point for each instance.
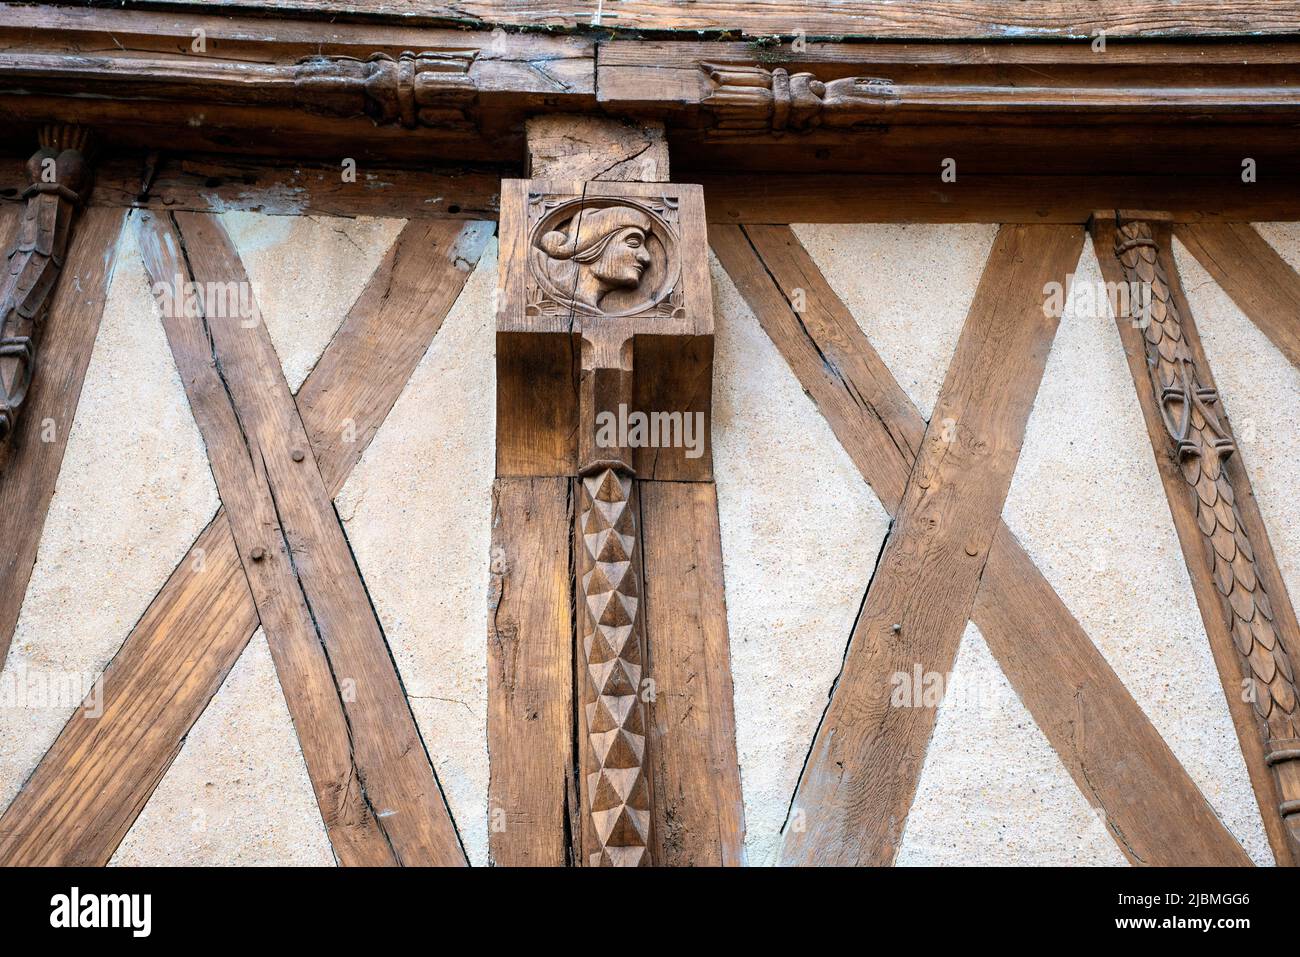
(1242, 599)
(605, 298)
(57, 175)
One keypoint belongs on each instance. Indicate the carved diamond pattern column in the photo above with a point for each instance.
(612, 640)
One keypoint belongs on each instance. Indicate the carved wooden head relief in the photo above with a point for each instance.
(603, 256)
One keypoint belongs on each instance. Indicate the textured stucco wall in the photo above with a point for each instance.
(800, 535)
(1087, 504)
(418, 511)
(801, 532)
(238, 792)
(992, 790)
(133, 492)
(306, 272)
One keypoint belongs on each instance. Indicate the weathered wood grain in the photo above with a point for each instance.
(413, 289)
(97, 776)
(578, 148)
(532, 804)
(374, 782)
(1102, 736)
(1198, 557)
(793, 197)
(95, 779)
(1260, 282)
(29, 465)
(929, 79)
(857, 786)
(215, 184)
(928, 19)
(699, 810)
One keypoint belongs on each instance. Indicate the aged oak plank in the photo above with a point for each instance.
(351, 388)
(699, 812)
(29, 465)
(1103, 737)
(1260, 282)
(786, 197)
(532, 804)
(1218, 613)
(374, 782)
(96, 778)
(926, 19)
(857, 786)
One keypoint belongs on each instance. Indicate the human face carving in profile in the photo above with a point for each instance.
(624, 260)
(597, 259)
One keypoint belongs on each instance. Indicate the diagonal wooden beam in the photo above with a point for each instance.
(1118, 760)
(374, 782)
(99, 773)
(1260, 282)
(1248, 616)
(857, 786)
(29, 463)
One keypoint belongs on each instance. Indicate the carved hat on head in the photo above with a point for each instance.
(590, 231)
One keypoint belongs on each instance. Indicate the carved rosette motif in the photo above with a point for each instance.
(752, 99)
(57, 175)
(1202, 445)
(618, 793)
(430, 89)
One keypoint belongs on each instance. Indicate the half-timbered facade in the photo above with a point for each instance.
(649, 433)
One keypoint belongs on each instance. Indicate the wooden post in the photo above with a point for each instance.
(591, 267)
(605, 319)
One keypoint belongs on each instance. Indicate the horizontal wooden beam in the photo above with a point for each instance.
(934, 19)
(215, 184)
(294, 88)
(947, 81)
(849, 198)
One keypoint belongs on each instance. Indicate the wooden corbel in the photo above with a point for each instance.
(58, 174)
(595, 276)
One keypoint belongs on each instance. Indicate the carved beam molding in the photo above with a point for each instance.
(429, 88)
(57, 176)
(748, 98)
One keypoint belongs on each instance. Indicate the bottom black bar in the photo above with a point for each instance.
(595, 908)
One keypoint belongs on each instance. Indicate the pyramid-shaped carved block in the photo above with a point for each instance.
(617, 792)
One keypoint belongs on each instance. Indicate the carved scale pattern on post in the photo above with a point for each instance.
(617, 790)
(1202, 444)
(57, 174)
